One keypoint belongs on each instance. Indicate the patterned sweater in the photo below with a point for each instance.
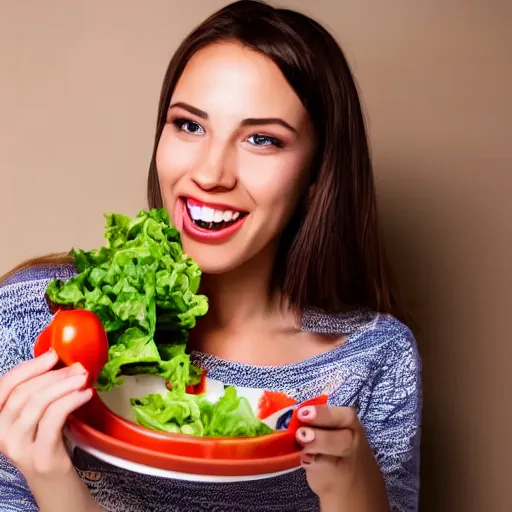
(377, 369)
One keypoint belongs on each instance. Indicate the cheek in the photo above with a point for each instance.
(275, 183)
(174, 158)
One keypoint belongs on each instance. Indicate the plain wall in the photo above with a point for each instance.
(79, 85)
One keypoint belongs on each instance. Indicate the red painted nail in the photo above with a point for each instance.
(307, 458)
(307, 412)
(306, 435)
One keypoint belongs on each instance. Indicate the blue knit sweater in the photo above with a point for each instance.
(378, 370)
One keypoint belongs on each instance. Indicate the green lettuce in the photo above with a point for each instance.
(144, 290)
(178, 412)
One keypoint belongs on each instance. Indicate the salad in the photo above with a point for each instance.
(128, 311)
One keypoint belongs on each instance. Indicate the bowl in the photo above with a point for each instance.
(106, 428)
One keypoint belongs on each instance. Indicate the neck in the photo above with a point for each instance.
(243, 295)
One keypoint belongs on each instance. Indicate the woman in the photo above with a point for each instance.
(262, 160)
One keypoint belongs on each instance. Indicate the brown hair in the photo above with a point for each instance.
(331, 257)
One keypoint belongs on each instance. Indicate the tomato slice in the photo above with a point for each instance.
(197, 389)
(295, 423)
(271, 402)
(200, 387)
(78, 336)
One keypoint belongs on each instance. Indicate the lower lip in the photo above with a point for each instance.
(206, 235)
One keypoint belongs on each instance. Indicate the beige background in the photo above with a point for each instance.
(79, 83)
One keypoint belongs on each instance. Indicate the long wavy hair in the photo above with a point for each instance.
(331, 256)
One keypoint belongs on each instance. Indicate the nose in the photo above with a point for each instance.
(217, 170)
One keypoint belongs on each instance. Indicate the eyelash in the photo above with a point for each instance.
(181, 122)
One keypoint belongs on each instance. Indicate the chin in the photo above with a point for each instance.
(213, 259)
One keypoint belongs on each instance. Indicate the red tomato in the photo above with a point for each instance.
(273, 401)
(78, 336)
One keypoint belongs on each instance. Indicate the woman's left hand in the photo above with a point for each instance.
(339, 463)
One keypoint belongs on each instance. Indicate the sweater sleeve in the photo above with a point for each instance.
(14, 492)
(390, 411)
(23, 313)
(393, 420)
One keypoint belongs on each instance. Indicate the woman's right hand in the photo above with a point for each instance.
(35, 401)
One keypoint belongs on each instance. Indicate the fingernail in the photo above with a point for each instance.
(308, 458)
(79, 379)
(87, 393)
(307, 412)
(306, 435)
(78, 368)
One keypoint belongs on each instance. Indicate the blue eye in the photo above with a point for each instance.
(189, 127)
(260, 140)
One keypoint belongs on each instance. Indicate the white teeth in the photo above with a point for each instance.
(207, 214)
(195, 212)
(227, 216)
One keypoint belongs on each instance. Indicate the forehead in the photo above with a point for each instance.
(231, 79)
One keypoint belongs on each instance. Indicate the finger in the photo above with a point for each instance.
(325, 416)
(316, 441)
(22, 393)
(23, 431)
(25, 371)
(320, 463)
(49, 431)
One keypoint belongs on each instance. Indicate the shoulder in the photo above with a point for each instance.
(383, 348)
(23, 308)
(40, 272)
(366, 330)
(392, 394)
(394, 341)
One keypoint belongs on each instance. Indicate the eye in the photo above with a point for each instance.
(261, 140)
(188, 126)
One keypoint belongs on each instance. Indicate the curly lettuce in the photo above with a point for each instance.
(178, 412)
(144, 289)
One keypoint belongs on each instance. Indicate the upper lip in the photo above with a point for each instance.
(215, 206)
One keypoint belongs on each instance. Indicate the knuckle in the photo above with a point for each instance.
(53, 416)
(29, 414)
(351, 415)
(12, 452)
(50, 461)
(44, 465)
(16, 400)
(5, 383)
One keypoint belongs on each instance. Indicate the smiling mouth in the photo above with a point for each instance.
(212, 219)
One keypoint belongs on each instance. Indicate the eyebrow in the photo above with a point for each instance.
(246, 122)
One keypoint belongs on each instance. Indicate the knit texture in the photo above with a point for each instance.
(377, 370)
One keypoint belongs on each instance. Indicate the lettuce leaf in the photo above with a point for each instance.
(144, 290)
(230, 416)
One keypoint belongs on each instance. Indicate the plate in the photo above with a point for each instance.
(76, 441)
(105, 428)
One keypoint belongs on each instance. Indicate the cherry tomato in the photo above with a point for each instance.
(78, 336)
(273, 401)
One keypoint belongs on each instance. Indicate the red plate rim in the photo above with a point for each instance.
(101, 410)
(91, 434)
(112, 434)
(180, 463)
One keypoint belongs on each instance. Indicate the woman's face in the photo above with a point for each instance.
(233, 159)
